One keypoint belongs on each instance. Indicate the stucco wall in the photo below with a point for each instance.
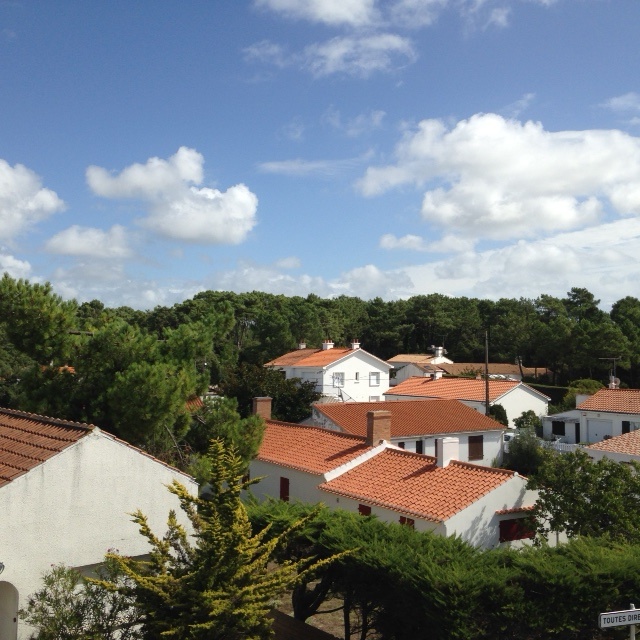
(75, 507)
(303, 487)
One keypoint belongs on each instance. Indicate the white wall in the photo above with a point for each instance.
(491, 449)
(594, 425)
(303, 487)
(479, 523)
(75, 507)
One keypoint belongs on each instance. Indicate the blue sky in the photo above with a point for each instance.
(485, 148)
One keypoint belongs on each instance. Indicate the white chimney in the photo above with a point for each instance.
(439, 352)
(447, 449)
(327, 344)
(436, 375)
(355, 344)
(302, 344)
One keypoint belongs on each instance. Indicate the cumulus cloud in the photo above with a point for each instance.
(600, 258)
(447, 244)
(500, 178)
(88, 241)
(370, 282)
(299, 167)
(23, 200)
(14, 267)
(354, 13)
(626, 102)
(177, 207)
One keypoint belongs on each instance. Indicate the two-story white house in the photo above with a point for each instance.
(606, 414)
(343, 374)
(415, 425)
(515, 397)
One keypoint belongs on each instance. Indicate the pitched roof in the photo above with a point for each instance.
(413, 484)
(410, 417)
(627, 443)
(495, 368)
(316, 357)
(456, 388)
(306, 448)
(27, 440)
(613, 400)
(415, 358)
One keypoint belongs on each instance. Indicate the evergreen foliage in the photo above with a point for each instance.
(216, 584)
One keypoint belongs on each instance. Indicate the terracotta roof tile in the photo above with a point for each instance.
(613, 400)
(506, 512)
(306, 448)
(410, 417)
(455, 388)
(627, 443)
(412, 484)
(27, 440)
(415, 358)
(309, 357)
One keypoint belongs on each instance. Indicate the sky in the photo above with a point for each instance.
(391, 148)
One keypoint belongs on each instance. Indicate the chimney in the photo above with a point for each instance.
(438, 352)
(378, 427)
(447, 449)
(327, 344)
(437, 374)
(302, 344)
(355, 344)
(262, 407)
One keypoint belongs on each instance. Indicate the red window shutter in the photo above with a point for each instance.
(364, 510)
(515, 529)
(284, 489)
(407, 522)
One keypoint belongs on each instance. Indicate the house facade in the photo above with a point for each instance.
(606, 414)
(415, 425)
(516, 397)
(484, 506)
(66, 494)
(340, 374)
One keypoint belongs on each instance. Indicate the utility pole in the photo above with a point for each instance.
(486, 372)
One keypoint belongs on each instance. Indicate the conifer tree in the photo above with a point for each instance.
(215, 582)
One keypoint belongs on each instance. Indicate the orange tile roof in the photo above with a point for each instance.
(27, 440)
(316, 357)
(495, 368)
(455, 388)
(306, 448)
(410, 417)
(613, 400)
(412, 484)
(627, 443)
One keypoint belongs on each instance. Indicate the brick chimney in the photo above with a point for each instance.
(327, 344)
(262, 407)
(378, 427)
(447, 449)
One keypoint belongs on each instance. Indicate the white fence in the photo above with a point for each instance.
(562, 447)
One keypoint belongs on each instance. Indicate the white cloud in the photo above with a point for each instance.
(600, 258)
(288, 263)
(14, 267)
(359, 55)
(177, 208)
(369, 282)
(268, 52)
(514, 109)
(361, 124)
(354, 13)
(627, 102)
(88, 241)
(447, 244)
(501, 178)
(299, 167)
(23, 200)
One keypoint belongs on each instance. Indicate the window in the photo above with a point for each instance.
(357, 374)
(626, 426)
(364, 509)
(476, 451)
(338, 379)
(401, 445)
(419, 446)
(557, 428)
(515, 529)
(374, 398)
(407, 522)
(284, 489)
(374, 379)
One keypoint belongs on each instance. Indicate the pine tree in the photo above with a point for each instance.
(218, 582)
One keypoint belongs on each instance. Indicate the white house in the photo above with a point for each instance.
(66, 494)
(516, 397)
(484, 506)
(606, 414)
(342, 374)
(622, 448)
(416, 425)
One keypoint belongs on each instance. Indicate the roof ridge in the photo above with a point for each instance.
(48, 419)
(498, 470)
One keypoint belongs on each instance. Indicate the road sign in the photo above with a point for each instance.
(619, 618)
